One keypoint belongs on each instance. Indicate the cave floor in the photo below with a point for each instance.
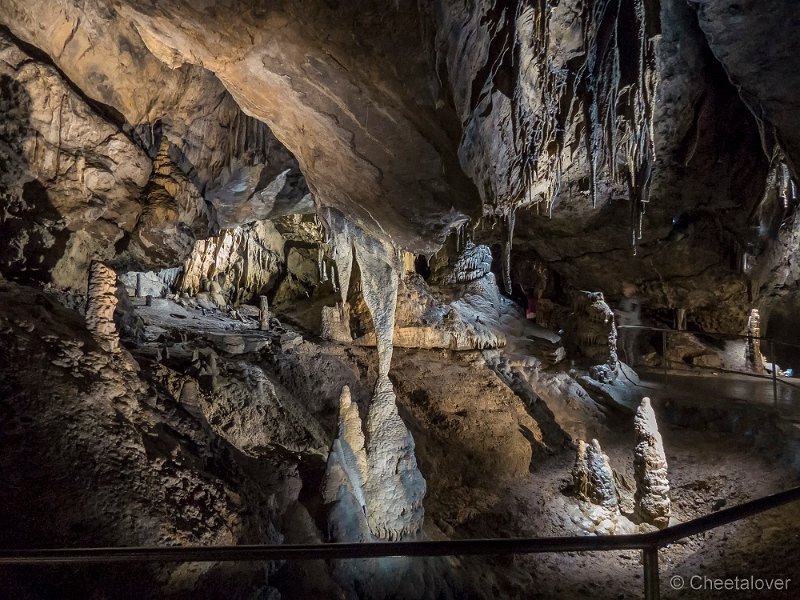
(494, 464)
(720, 454)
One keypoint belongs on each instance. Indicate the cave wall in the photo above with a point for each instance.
(631, 139)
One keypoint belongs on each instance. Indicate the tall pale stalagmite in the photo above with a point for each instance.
(395, 487)
(263, 313)
(650, 468)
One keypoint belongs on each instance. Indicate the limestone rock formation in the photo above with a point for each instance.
(653, 503)
(172, 216)
(243, 261)
(592, 476)
(345, 475)
(379, 282)
(351, 437)
(263, 313)
(472, 264)
(70, 181)
(100, 304)
(753, 356)
(457, 317)
(395, 487)
(255, 415)
(596, 334)
(335, 324)
(375, 488)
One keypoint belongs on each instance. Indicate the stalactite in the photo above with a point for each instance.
(510, 222)
(612, 107)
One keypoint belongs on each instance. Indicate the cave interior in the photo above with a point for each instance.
(293, 272)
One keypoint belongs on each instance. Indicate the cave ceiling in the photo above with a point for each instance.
(630, 139)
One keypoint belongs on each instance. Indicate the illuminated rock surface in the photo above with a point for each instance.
(352, 271)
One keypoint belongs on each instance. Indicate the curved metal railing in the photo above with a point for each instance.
(668, 365)
(648, 543)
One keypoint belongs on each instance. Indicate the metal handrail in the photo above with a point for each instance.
(666, 332)
(734, 336)
(648, 543)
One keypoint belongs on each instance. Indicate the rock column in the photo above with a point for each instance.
(650, 469)
(593, 477)
(755, 360)
(100, 304)
(263, 314)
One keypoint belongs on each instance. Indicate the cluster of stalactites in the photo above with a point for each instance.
(611, 106)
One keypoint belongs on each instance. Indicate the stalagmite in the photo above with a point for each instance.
(473, 263)
(507, 251)
(351, 438)
(263, 314)
(335, 324)
(100, 304)
(596, 334)
(650, 469)
(395, 488)
(592, 476)
(753, 356)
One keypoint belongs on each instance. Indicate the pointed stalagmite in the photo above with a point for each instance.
(351, 437)
(100, 304)
(395, 487)
(593, 477)
(650, 469)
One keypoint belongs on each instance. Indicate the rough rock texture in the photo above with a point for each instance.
(650, 468)
(244, 261)
(375, 492)
(738, 32)
(592, 476)
(335, 324)
(69, 181)
(395, 487)
(595, 333)
(100, 305)
(173, 214)
(246, 408)
(115, 458)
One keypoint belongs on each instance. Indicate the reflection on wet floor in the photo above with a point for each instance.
(723, 387)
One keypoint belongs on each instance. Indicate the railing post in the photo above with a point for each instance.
(774, 373)
(664, 352)
(652, 590)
